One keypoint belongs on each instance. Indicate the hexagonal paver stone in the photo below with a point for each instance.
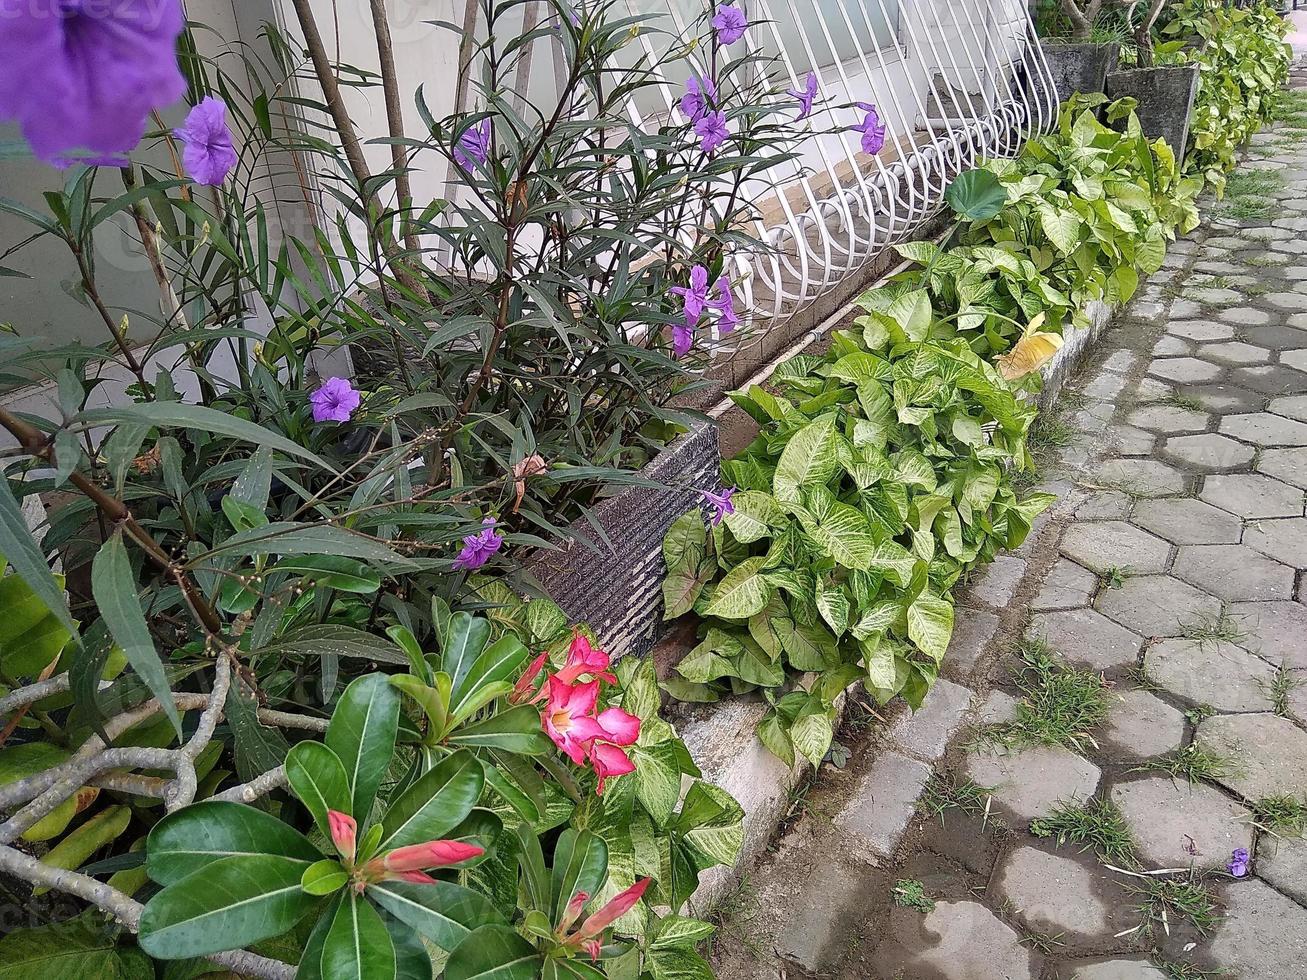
(1287, 465)
(963, 940)
(1211, 672)
(1224, 398)
(1208, 452)
(1263, 935)
(1129, 441)
(1102, 545)
(1183, 370)
(1290, 406)
(1233, 571)
(1119, 969)
(1286, 301)
(1183, 520)
(1175, 824)
(1276, 631)
(1235, 352)
(1282, 863)
(1142, 477)
(1284, 539)
(1106, 386)
(1267, 754)
(1203, 330)
(1296, 359)
(1104, 505)
(1059, 896)
(1270, 379)
(1245, 316)
(1156, 605)
(1028, 783)
(1169, 346)
(1140, 726)
(1266, 429)
(997, 581)
(1169, 419)
(1087, 638)
(1066, 586)
(1252, 495)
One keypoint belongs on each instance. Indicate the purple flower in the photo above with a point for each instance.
(682, 339)
(696, 296)
(872, 129)
(477, 548)
(1238, 865)
(805, 96)
(699, 98)
(721, 503)
(730, 24)
(335, 401)
(711, 130)
(208, 154)
(474, 145)
(725, 305)
(81, 76)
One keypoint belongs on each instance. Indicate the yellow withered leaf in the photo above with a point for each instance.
(1030, 352)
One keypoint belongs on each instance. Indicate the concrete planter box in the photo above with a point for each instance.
(617, 590)
(1080, 67)
(1165, 97)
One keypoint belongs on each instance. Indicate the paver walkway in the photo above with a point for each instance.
(1125, 695)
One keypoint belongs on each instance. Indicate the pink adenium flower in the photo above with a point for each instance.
(208, 154)
(478, 548)
(82, 76)
(567, 717)
(699, 98)
(872, 129)
(590, 933)
(609, 760)
(729, 24)
(344, 830)
(473, 146)
(805, 96)
(582, 658)
(721, 503)
(711, 130)
(524, 690)
(335, 401)
(432, 854)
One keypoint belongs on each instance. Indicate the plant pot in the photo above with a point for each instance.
(617, 589)
(1079, 67)
(1165, 99)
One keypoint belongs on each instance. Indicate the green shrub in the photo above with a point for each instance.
(883, 472)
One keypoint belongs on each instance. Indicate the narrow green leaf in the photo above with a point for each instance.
(362, 734)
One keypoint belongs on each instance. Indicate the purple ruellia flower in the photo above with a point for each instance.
(729, 24)
(872, 129)
(721, 503)
(1238, 865)
(81, 76)
(724, 304)
(805, 96)
(711, 130)
(682, 339)
(209, 154)
(699, 98)
(696, 296)
(474, 145)
(335, 401)
(477, 548)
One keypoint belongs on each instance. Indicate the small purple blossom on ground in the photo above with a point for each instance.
(474, 145)
(1238, 865)
(209, 154)
(699, 98)
(696, 296)
(711, 130)
(730, 24)
(80, 78)
(872, 129)
(335, 401)
(721, 503)
(725, 305)
(805, 96)
(477, 548)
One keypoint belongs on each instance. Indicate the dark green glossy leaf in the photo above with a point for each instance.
(362, 734)
(357, 946)
(437, 803)
(580, 865)
(317, 776)
(515, 730)
(494, 953)
(198, 835)
(445, 913)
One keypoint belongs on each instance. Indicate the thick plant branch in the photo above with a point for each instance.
(127, 910)
(273, 779)
(1082, 21)
(394, 119)
(1144, 33)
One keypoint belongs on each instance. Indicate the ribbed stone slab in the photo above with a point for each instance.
(1283, 539)
(1183, 520)
(1175, 824)
(1157, 605)
(1267, 754)
(1212, 672)
(1087, 638)
(1028, 783)
(1233, 572)
(1263, 935)
(1251, 495)
(1066, 586)
(1103, 545)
